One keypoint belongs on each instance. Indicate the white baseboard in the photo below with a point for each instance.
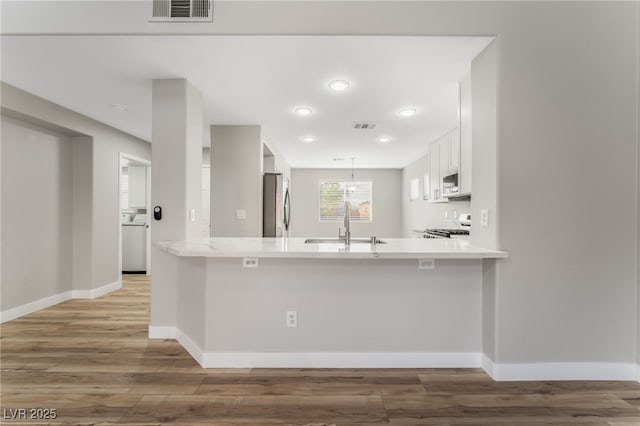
(561, 371)
(46, 302)
(97, 292)
(192, 347)
(162, 332)
(31, 307)
(316, 359)
(487, 365)
(341, 360)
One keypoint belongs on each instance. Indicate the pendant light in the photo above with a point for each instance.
(352, 187)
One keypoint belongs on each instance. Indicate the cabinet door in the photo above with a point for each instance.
(465, 135)
(137, 186)
(445, 155)
(435, 183)
(454, 151)
(426, 179)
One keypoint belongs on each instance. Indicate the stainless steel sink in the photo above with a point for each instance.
(341, 241)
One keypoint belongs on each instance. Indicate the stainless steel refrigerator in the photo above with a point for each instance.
(276, 214)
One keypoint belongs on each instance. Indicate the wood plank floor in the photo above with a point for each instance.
(91, 361)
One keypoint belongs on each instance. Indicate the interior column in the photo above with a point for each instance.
(176, 158)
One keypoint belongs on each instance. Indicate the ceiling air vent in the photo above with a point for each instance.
(182, 11)
(364, 126)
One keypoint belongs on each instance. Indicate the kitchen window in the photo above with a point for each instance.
(333, 194)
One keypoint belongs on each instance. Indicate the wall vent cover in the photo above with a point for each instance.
(182, 11)
(364, 126)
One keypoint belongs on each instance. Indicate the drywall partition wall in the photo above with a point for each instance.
(638, 184)
(177, 158)
(37, 223)
(107, 144)
(236, 181)
(484, 157)
(82, 212)
(280, 164)
(562, 117)
(421, 214)
(176, 176)
(567, 134)
(386, 203)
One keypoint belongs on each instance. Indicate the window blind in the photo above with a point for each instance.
(334, 193)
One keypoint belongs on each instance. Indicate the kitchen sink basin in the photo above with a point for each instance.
(341, 241)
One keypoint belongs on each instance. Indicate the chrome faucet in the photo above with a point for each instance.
(347, 223)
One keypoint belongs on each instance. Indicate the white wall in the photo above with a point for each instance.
(355, 306)
(566, 138)
(420, 214)
(37, 215)
(638, 184)
(484, 146)
(386, 203)
(280, 164)
(107, 142)
(236, 180)
(82, 212)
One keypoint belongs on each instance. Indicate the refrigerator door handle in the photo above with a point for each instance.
(287, 210)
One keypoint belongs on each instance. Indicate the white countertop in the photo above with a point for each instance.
(396, 248)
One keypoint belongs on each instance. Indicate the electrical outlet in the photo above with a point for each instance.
(192, 215)
(484, 217)
(292, 319)
(426, 263)
(250, 262)
(241, 214)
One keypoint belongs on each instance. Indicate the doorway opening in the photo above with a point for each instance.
(134, 207)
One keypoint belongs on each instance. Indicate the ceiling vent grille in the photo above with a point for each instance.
(182, 10)
(364, 126)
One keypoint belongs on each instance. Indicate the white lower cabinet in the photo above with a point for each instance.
(134, 248)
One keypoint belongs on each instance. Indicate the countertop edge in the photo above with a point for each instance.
(201, 249)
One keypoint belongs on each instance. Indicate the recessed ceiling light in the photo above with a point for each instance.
(339, 85)
(407, 112)
(303, 111)
(384, 139)
(120, 107)
(308, 139)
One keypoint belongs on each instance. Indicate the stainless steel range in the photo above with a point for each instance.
(464, 221)
(446, 233)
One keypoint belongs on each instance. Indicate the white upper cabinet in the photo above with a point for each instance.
(435, 175)
(137, 186)
(465, 135)
(444, 160)
(451, 154)
(454, 151)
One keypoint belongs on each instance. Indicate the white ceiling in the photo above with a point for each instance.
(259, 80)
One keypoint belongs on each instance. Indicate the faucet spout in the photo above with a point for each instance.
(347, 223)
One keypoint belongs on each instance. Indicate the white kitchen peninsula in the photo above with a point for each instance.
(356, 306)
